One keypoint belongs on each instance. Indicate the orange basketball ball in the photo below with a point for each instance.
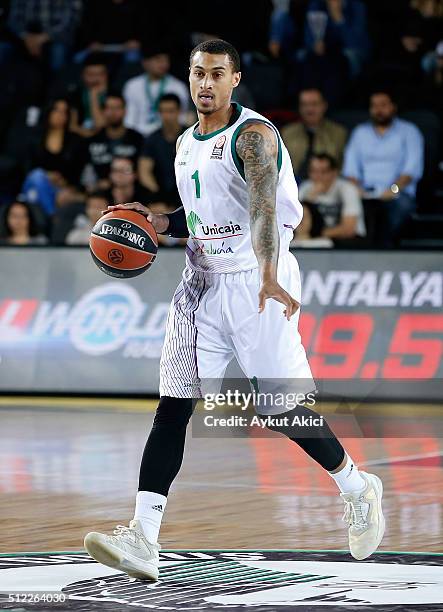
(123, 243)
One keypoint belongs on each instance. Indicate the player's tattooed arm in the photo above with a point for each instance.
(257, 147)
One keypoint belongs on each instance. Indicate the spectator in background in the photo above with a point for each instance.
(245, 26)
(428, 14)
(410, 49)
(336, 44)
(243, 96)
(111, 25)
(20, 226)
(332, 206)
(432, 92)
(403, 32)
(286, 31)
(8, 39)
(124, 184)
(56, 146)
(88, 99)
(338, 26)
(47, 29)
(53, 157)
(113, 140)
(384, 158)
(313, 134)
(96, 203)
(143, 93)
(156, 164)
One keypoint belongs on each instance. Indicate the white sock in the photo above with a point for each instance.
(149, 508)
(349, 479)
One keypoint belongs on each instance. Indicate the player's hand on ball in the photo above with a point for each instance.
(159, 221)
(271, 289)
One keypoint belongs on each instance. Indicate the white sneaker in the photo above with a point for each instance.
(127, 550)
(364, 515)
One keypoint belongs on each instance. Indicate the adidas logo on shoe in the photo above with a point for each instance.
(159, 508)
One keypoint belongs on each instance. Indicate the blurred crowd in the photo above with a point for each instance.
(95, 95)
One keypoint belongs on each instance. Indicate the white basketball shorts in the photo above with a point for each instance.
(214, 317)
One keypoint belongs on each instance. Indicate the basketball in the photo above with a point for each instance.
(123, 243)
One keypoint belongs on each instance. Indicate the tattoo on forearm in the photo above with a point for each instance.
(258, 155)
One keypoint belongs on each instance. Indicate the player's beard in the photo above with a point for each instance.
(207, 111)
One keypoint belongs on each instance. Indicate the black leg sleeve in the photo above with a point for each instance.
(318, 441)
(163, 454)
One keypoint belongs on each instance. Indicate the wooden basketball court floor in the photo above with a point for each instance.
(71, 466)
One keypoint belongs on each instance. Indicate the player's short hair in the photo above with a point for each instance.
(218, 47)
(326, 157)
(170, 97)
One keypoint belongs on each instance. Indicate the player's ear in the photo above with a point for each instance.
(236, 78)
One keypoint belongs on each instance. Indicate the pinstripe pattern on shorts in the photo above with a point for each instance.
(178, 363)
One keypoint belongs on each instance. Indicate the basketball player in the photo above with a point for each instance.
(240, 209)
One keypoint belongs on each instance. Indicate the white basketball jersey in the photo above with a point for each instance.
(210, 180)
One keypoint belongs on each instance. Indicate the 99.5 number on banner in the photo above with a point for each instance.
(339, 346)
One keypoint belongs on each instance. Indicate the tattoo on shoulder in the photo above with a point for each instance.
(253, 147)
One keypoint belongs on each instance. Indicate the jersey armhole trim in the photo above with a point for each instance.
(236, 159)
(181, 138)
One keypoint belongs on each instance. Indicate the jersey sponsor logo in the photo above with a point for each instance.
(192, 221)
(226, 230)
(203, 249)
(211, 232)
(217, 151)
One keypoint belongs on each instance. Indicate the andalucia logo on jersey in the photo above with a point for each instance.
(192, 220)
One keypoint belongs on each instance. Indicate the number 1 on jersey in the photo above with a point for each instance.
(196, 178)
